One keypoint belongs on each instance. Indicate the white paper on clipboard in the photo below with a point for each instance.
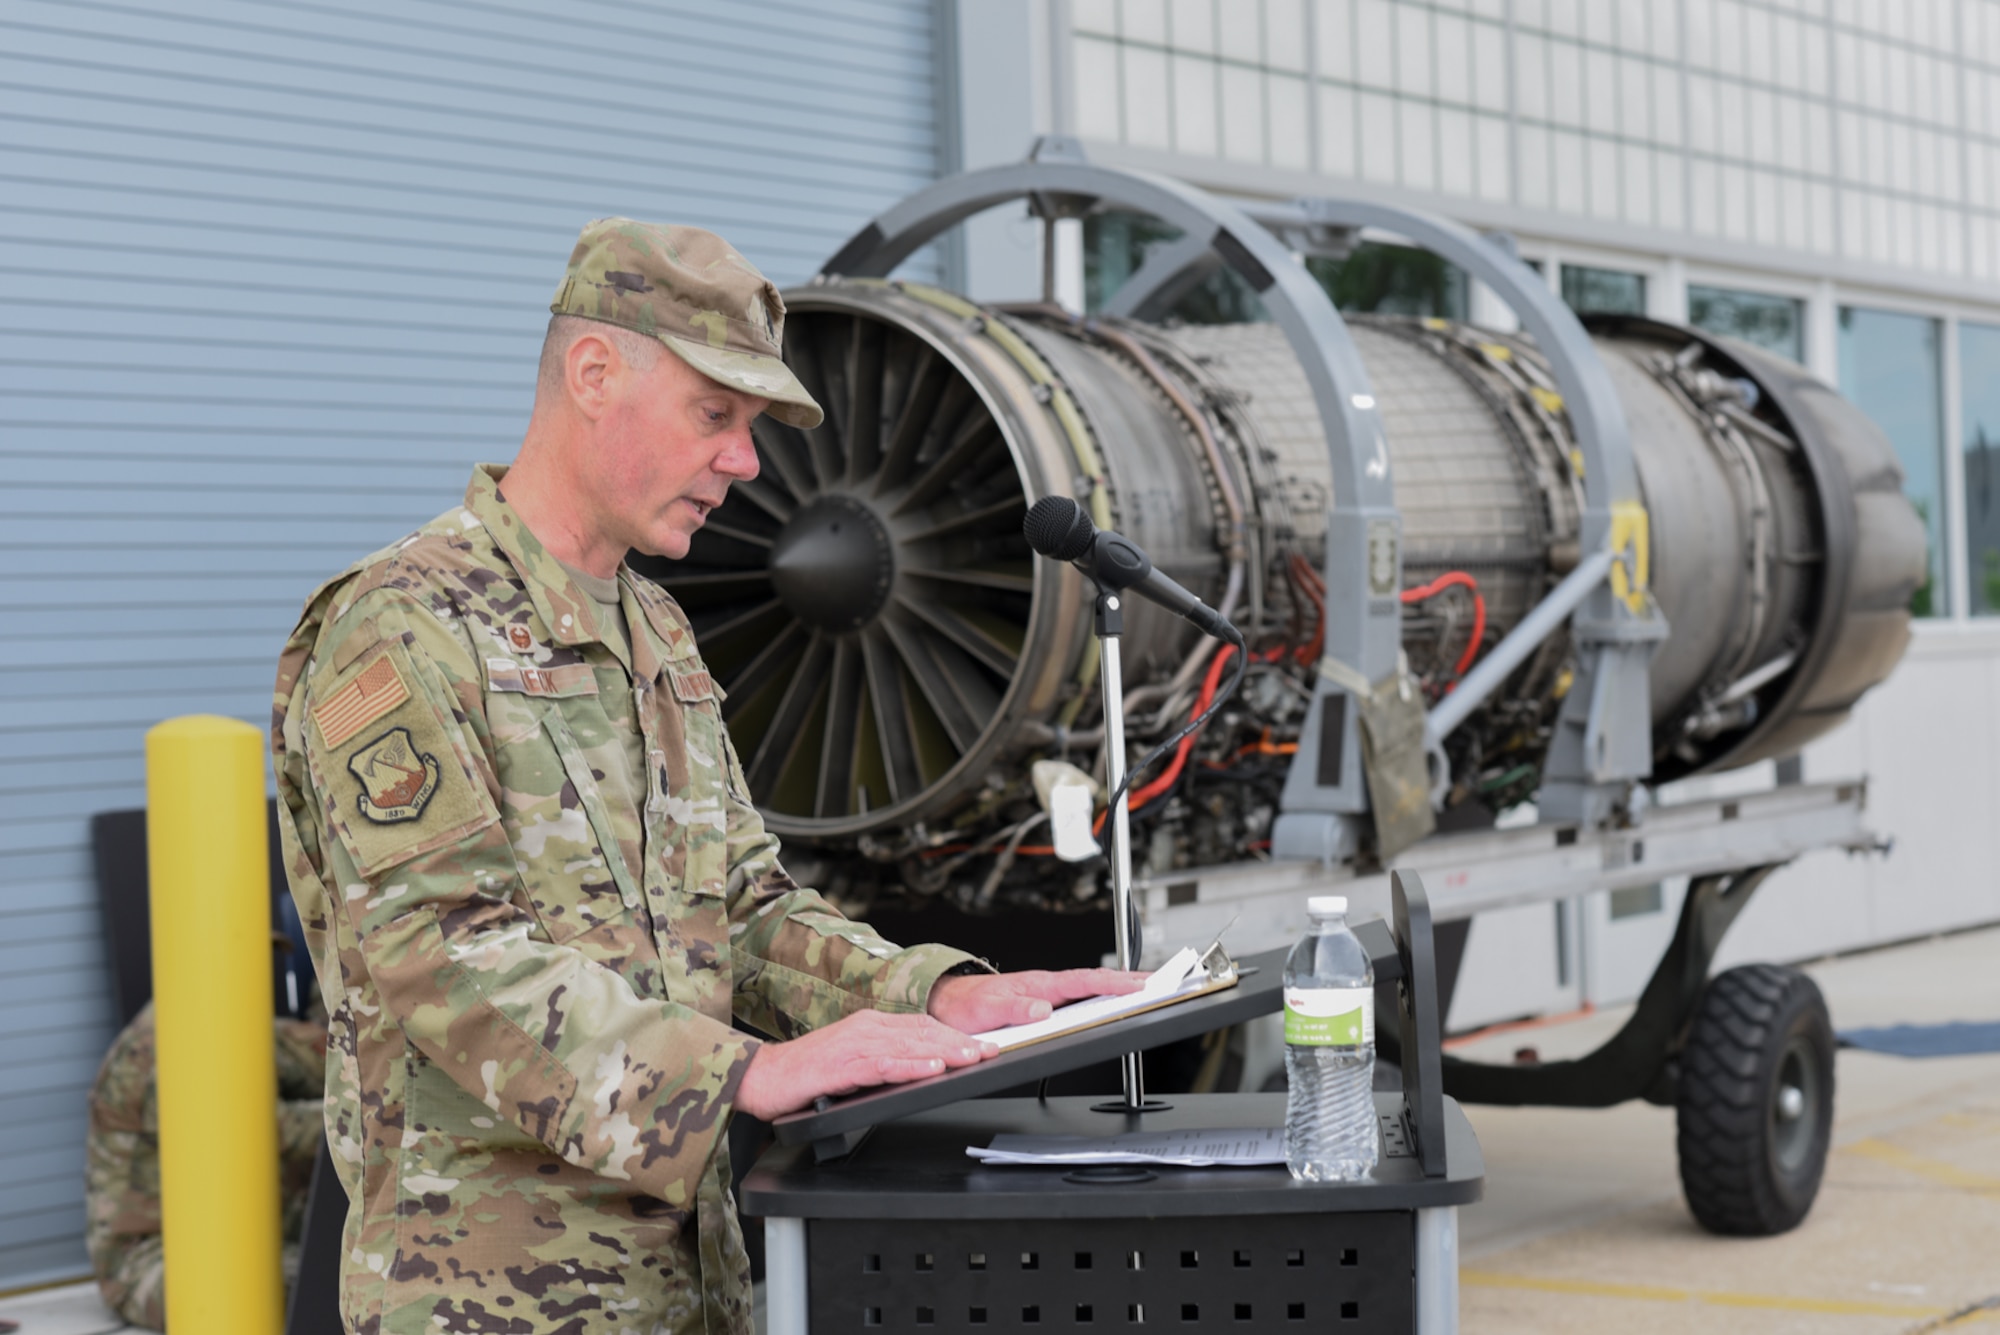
(1176, 980)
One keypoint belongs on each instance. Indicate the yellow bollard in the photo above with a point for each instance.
(208, 859)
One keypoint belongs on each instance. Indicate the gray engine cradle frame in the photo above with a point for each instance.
(1603, 741)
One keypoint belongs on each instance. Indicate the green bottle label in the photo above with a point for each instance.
(1327, 1017)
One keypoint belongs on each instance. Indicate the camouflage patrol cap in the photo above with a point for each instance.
(692, 291)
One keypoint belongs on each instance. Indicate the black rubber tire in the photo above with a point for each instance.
(1751, 1156)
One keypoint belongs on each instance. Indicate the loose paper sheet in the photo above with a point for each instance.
(1184, 1149)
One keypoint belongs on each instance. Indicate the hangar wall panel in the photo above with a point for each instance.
(271, 279)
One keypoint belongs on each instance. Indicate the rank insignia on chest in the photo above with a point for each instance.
(397, 781)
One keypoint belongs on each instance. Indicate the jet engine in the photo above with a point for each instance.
(895, 659)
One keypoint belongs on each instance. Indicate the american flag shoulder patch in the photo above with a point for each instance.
(354, 706)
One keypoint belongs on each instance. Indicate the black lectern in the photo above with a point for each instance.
(875, 1218)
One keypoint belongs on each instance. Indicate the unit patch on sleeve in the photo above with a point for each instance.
(397, 782)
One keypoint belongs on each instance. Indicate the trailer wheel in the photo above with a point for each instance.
(1755, 1105)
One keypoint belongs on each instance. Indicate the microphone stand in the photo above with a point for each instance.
(1111, 625)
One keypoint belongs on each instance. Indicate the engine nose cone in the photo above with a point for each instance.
(833, 564)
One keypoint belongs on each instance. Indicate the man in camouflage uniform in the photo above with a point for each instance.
(122, 1161)
(534, 884)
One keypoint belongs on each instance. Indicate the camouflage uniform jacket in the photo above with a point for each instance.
(122, 1159)
(531, 953)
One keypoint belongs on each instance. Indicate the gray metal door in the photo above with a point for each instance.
(272, 277)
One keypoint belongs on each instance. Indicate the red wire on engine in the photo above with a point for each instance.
(1138, 797)
(1314, 587)
(1458, 579)
(1305, 578)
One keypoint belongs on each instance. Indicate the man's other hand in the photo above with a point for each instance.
(872, 1048)
(975, 1003)
(856, 1052)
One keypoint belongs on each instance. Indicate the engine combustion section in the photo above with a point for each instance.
(894, 657)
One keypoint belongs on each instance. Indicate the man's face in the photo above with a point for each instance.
(667, 447)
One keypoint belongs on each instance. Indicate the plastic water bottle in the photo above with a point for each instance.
(1330, 1128)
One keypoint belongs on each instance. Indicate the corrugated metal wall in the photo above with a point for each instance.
(272, 277)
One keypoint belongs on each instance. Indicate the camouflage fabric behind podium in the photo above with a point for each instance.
(122, 1161)
(536, 893)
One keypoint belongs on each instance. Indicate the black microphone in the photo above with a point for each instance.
(1058, 527)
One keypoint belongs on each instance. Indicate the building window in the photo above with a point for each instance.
(1979, 410)
(1775, 324)
(1392, 280)
(1889, 369)
(1603, 291)
(1372, 279)
(1116, 245)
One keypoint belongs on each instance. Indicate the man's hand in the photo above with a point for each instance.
(976, 1002)
(864, 1049)
(873, 1048)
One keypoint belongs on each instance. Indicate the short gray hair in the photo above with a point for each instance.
(639, 351)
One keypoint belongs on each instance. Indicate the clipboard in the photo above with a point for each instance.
(834, 1126)
(1404, 960)
(1210, 971)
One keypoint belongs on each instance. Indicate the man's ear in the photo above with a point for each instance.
(589, 367)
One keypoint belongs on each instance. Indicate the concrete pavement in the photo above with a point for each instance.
(1583, 1227)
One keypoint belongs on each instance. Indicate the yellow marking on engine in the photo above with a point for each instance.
(1630, 538)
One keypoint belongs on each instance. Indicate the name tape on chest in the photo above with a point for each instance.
(693, 687)
(504, 674)
(375, 692)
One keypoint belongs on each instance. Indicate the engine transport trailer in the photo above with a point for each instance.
(1481, 575)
